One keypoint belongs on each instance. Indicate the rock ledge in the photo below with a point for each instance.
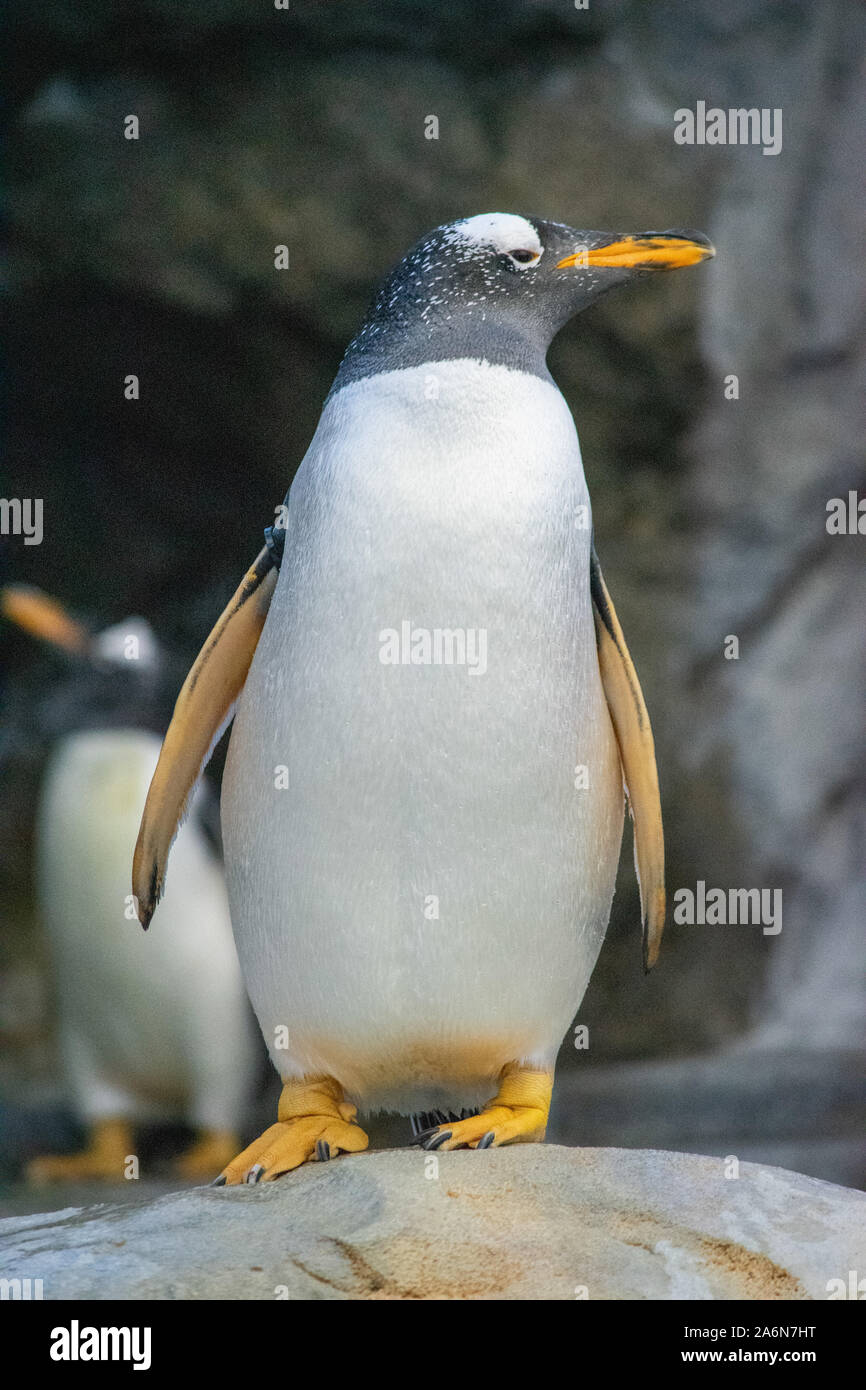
(529, 1222)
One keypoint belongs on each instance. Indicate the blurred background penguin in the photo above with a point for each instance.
(150, 1029)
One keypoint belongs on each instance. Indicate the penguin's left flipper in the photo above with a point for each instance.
(204, 708)
(631, 724)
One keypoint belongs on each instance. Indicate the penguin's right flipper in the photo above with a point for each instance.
(634, 736)
(204, 708)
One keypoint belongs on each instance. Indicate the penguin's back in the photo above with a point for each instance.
(420, 875)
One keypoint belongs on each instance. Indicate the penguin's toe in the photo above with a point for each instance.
(79, 1167)
(110, 1146)
(500, 1124)
(436, 1139)
(290, 1143)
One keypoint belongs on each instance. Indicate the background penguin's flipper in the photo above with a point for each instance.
(637, 751)
(204, 707)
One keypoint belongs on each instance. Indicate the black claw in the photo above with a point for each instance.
(486, 1141)
(323, 1150)
(218, 1182)
(438, 1139)
(426, 1122)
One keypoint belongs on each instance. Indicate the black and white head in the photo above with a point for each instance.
(498, 286)
(118, 676)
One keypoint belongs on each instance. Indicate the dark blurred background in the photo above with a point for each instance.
(306, 128)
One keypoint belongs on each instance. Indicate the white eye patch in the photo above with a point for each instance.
(503, 232)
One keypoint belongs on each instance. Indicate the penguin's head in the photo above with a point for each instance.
(472, 285)
(132, 640)
(44, 617)
(116, 677)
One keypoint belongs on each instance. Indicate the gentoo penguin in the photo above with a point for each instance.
(436, 717)
(147, 1030)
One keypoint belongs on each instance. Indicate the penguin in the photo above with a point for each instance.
(144, 1035)
(437, 722)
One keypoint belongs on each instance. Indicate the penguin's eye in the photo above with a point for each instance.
(524, 257)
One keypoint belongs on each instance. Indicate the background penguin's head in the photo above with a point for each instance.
(116, 677)
(494, 272)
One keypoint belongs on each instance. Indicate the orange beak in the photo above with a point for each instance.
(42, 617)
(647, 251)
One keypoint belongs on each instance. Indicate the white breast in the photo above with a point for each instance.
(425, 899)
